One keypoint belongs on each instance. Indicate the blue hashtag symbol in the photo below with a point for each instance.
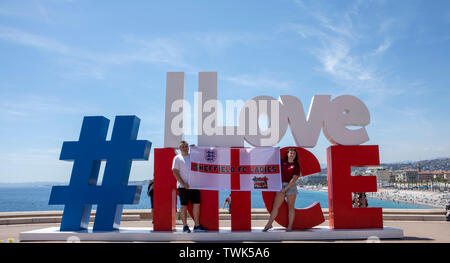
(87, 154)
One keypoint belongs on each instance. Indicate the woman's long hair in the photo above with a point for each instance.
(296, 155)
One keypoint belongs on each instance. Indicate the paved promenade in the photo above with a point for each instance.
(422, 231)
(414, 231)
(428, 198)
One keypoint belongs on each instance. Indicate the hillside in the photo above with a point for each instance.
(426, 165)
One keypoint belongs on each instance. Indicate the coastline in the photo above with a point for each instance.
(415, 197)
(433, 199)
(36, 199)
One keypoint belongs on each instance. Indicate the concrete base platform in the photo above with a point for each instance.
(127, 234)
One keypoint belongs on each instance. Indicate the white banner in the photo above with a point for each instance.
(244, 169)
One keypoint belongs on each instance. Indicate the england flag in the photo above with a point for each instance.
(237, 169)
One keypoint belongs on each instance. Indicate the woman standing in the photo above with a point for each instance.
(290, 172)
(227, 201)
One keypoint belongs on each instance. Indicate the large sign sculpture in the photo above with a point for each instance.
(333, 116)
(87, 154)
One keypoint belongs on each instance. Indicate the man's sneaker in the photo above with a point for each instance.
(199, 228)
(186, 229)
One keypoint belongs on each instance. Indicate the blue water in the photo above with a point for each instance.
(36, 199)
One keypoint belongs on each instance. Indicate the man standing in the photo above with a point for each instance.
(181, 166)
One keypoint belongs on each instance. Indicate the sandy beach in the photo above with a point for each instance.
(428, 198)
(434, 199)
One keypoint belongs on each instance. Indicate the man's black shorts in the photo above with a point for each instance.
(187, 195)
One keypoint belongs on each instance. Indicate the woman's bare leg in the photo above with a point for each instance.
(278, 200)
(291, 208)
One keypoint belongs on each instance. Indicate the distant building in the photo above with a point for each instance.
(382, 174)
(406, 175)
(412, 175)
(446, 175)
(315, 179)
(426, 176)
(400, 175)
(434, 175)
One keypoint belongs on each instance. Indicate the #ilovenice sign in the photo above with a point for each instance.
(220, 161)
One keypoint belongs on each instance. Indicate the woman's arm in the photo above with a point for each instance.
(291, 183)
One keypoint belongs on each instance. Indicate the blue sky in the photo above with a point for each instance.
(62, 60)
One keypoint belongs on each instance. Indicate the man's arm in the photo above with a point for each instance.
(176, 173)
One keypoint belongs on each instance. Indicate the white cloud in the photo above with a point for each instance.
(341, 42)
(220, 41)
(33, 40)
(41, 9)
(91, 63)
(258, 81)
(168, 51)
(29, 107)
(383, 47)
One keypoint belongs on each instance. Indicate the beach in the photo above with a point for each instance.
(428, 198)
(416, 197)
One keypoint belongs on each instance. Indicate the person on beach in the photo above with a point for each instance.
(359, 200)
(363, 200)
(181, 166)
(150, 192)
(150, 195)
(448, 211)
(290, 172)
(355, 200)
(227, 201)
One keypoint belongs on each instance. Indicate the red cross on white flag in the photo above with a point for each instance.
(245, 169)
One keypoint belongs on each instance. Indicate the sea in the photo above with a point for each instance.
(16, 199)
